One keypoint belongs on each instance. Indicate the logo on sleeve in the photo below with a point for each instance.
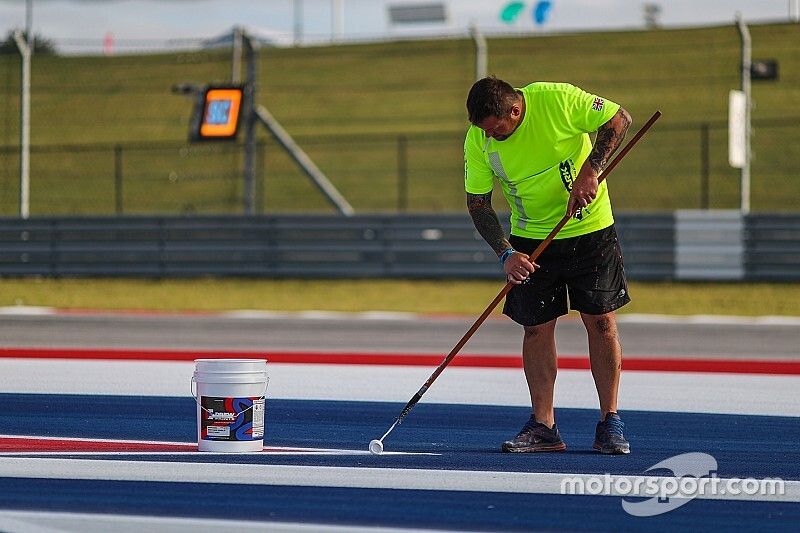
(598, 104)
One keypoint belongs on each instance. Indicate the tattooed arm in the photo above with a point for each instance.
(517, 267)
(486, 222)
(609, 137)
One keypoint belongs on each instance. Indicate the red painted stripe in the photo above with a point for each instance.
(656, 364)
(33, 444)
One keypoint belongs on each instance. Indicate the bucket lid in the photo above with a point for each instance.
(230, 365)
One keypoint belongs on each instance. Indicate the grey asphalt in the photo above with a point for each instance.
(428, 335)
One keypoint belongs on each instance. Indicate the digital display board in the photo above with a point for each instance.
(217, 114)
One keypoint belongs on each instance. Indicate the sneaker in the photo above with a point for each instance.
(608, 436)
(535, 437)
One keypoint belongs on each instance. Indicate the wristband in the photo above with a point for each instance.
(508, 252)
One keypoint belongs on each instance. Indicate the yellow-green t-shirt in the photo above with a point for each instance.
(537, 164)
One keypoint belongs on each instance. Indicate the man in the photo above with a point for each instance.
(535, 141)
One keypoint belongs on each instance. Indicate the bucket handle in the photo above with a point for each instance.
(197, 400)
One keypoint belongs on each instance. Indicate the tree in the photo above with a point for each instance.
(40, 45)
(651, 12)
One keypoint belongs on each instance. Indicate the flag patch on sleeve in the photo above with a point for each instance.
(598, 103)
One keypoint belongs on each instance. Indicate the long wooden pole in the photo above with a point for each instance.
(497, 299)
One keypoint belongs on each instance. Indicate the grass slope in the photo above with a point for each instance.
(447, 297)
(350, 105)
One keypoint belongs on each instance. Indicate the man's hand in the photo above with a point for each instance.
(584, 190)
(517, 268)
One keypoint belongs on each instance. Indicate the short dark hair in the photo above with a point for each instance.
(489, 97)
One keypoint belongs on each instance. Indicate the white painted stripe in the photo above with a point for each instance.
(348, 477)
(26, 310)
(319, 315)
(767, 320)
(37, 438)
(269, 450)
(760, 394)
(254, 314)
(386, 315)
(633, 318)
(266, 451)
(250, 314)
(47, 522)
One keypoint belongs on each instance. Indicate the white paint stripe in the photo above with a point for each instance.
(387, 315)
(318, 315)
(344, 477)
(84, 439)
(269, 450)
(256, 314)
(47, 522)
(27, 310)
(766, 320)
(760, 394)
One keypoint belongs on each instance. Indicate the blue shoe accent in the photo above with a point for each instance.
(608, 437)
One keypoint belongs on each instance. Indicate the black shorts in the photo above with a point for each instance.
(589, 268)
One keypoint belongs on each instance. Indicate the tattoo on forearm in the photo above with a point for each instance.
(486, 222)
(609, 137)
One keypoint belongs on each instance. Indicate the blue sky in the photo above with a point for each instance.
(84, 23)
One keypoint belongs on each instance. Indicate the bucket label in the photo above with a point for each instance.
(233, 419)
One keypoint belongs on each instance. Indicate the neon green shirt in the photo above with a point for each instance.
(537, 164)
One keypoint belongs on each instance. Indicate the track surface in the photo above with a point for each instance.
(442, 469)
(393, 332)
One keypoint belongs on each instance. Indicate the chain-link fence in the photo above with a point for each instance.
(385, 123)
(400, 173)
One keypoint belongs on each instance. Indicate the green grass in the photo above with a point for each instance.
(438, 297)
(348, 104)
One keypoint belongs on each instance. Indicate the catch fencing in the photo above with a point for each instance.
(404, 173)
(385, 122)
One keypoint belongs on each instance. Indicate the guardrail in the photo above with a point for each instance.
(378, 246)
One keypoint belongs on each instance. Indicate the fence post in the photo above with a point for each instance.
(118, 193)
(261, 185)
(26, 47)
(402, 173)
(705, 165)
(744, 34)
(481, 55)
(249, 116)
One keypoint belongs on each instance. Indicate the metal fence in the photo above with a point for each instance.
(385, 122)
(403, 173)
(682, 246)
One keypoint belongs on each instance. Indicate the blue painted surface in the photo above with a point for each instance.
(467, 436)
(389, 508)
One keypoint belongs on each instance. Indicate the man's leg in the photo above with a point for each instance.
(540, 433)
(605, 354)
(597, 287)
(540, 361)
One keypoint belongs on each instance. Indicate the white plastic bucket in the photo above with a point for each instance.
(231, 396)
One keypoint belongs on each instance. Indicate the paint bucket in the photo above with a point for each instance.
(230, 397)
